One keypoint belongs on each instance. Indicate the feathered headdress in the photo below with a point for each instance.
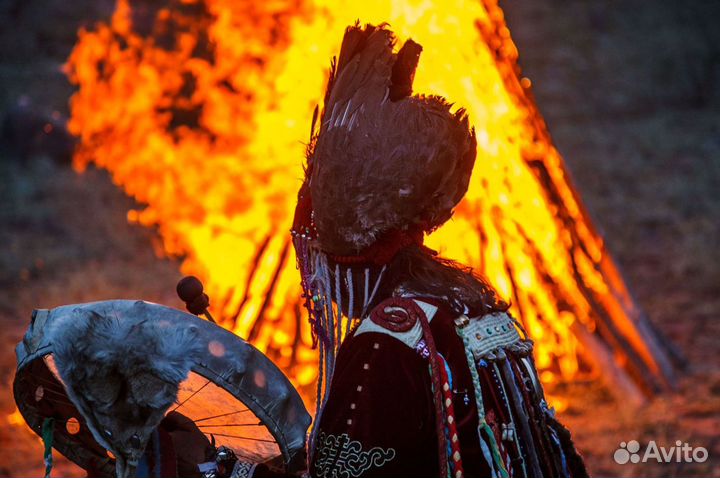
(383, 167)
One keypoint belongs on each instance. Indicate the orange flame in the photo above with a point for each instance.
(200, 109)
(15, 418)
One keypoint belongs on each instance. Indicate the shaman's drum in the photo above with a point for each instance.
(230, 390)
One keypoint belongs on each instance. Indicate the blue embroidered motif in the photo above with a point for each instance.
(422, 349)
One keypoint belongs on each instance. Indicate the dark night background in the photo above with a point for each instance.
(630, 91)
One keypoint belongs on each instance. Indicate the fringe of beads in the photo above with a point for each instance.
(488, 445)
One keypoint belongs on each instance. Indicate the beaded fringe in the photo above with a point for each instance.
(323, 300)
(488, 445)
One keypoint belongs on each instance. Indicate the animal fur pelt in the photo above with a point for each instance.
(122, 374)
(383, 160)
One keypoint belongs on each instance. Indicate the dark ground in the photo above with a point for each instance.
(630, 92)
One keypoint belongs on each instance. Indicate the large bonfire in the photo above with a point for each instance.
(199, 109)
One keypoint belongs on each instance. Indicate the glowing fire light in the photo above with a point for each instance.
(15, 418)
(199, 109)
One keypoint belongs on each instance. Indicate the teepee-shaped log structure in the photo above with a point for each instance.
(615, 334)
(199, 110)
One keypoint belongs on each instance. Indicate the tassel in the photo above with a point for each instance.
(436, 389)
(47, 438)
(338, 303)
(495, 450)
(365, 297)
(330, 323)
(455, 465)
(519, 407)
(509, 408)
(351, 301)
(488, 445)
(320, 282)
(563, 460)
(488, 455)
(374, 291)
(318, 405)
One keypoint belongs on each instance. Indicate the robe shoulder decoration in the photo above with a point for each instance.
(490, 336)
(397, 318)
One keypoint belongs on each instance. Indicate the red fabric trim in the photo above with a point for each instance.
(455, 456)
(383, 250)
(437, 390)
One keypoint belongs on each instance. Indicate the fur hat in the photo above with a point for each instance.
(384, 165)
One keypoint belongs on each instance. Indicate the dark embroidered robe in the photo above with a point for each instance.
(379, 419)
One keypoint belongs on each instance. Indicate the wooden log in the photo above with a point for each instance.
(616, 379)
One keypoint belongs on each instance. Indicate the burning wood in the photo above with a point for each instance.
(198, 109)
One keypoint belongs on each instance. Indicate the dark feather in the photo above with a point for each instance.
(403, 71)
(383, 159)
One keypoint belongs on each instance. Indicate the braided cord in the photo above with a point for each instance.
(437, 392)
(482, 423)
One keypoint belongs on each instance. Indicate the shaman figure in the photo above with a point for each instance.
(423, 372)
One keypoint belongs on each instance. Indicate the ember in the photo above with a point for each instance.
(199, 110)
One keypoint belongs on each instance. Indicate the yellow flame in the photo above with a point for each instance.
(212, 144)
(15, 418)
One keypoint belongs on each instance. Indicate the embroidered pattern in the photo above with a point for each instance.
(422, 349)
(491, 334)
(242, 470)
(340, 457)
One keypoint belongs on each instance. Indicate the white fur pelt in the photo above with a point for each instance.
(122, 373)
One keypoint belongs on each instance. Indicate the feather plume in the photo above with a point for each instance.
(377, 165)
